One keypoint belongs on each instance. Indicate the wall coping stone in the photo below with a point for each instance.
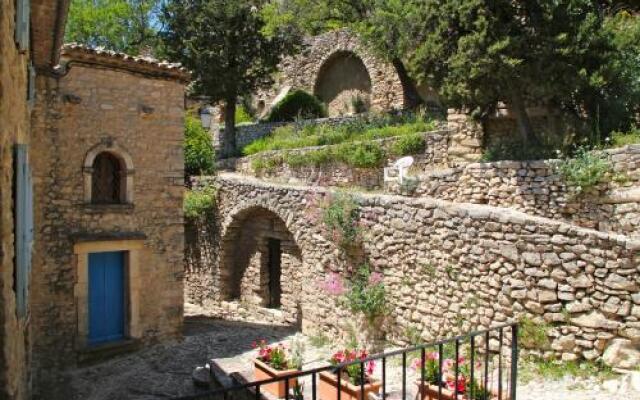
(498, 214)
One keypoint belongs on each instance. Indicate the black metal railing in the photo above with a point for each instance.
(477, 371)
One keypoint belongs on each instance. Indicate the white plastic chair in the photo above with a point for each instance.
(402, 166)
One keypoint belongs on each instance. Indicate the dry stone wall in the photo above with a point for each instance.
(449, 268)
(303, 71)
(536, 188)
(435, 156)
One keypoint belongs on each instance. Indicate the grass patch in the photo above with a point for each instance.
(319, 340)
(620, 139)
(358, 130)
(197, 203)
(555, 370)
(409, 144)
(533, 335)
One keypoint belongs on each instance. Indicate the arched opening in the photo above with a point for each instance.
(344, 84)
(107, 179)
(260, 266)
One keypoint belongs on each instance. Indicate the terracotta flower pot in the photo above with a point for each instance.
(262, 371)
(328, 388)
(430, 392)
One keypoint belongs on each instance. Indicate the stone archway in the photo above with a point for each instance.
(344, 84)
(260, 266)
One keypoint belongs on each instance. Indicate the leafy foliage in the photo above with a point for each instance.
(224, 45)
(243, 116)
(120, 25)
(620, 139)
(533, 335)
(515, 149)
(297, 105)
(199, 202)
(340, 215)
(360, 129)
(367, 294)
(410, 144)
(198, 150)
(585, 169)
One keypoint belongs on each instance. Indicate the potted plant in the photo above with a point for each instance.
(275, 362)
(442, 385)
(351, 386)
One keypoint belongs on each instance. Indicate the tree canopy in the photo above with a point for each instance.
(120, 25)
(225, 45)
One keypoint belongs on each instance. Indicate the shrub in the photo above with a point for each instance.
(198, 202)
(367, 294)
(410, 144)
(340, 215)
(297, 104)
(198, 150)
(620, 139)
(585, 169)
(361, 155)
(515, 150)
(533, 335)
(242, 115)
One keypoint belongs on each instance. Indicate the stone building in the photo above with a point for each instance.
(107, 137)
(27, 37)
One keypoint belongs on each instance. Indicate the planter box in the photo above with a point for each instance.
(262, 371)
(430, 392)
(328, 388)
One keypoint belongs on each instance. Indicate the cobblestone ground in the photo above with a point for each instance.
(164, 371)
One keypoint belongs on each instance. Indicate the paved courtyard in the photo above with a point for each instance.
(164, 371)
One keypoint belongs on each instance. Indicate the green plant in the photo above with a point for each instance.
(516, 150)
(361, 129)
(266, 163)
(242, 115)
(198, 148)
(340, 215)
(198, 202)
(585, 169)
(413, 335)
(620, 139)
(361, 155)
(319, 340)
(367, 294)
(532, 334)
(409, 144)
(295, 105)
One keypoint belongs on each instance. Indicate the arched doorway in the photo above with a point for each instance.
(344, 84)
(260, 266)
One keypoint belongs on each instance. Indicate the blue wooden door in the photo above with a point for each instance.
(106, 297)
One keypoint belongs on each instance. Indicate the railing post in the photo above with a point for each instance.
(514, 361)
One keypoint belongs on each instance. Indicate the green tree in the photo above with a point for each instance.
(120, 25)
(379, 22)
(549, 52)
(225, 45)
(198, 149)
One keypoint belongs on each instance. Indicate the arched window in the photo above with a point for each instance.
(108, 175)
(107, 180)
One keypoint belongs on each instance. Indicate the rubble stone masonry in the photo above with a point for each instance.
(138, 117)
(14, 128)
(448, 267)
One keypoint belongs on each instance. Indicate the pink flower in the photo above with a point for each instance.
(371, 365)
(333, 284)
(433, 355)
(375, 278)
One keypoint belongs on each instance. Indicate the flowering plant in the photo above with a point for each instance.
(431, 368)
(354, 371)
(275, 356)
(448, 378)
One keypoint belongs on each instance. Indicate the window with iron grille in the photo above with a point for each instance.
(107, 179)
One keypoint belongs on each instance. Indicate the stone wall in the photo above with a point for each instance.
(309, 67)
(136, 114)
(14, 128)
(450, 268)
(535, 188)
(435, 156)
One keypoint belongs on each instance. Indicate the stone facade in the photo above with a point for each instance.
(448, 268)
(14, 128)
(314, 70)
(131, 110)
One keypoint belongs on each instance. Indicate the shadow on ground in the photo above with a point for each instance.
(164, 370)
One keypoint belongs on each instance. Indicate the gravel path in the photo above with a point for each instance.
(164, 371)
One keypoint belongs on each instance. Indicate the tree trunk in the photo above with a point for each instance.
(229, 146)
(524, 123)
(412, 98)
